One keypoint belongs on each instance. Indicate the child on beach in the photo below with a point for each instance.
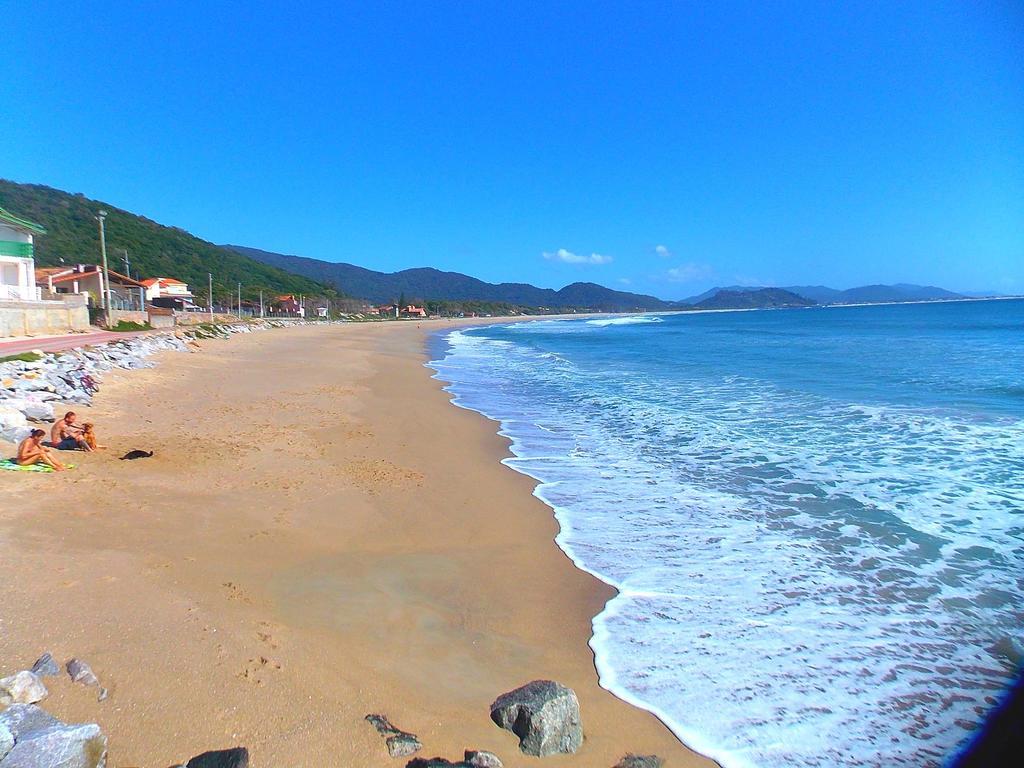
(31, 451)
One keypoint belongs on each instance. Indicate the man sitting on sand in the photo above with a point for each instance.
(66, 435)
(31, 451)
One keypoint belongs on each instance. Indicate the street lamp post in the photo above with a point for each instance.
(101, 217)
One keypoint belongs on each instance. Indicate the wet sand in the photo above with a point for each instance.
(320, 535)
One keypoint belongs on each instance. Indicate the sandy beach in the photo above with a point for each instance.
(320, 535)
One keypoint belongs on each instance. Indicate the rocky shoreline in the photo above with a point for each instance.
(30, 388)
(543, 714)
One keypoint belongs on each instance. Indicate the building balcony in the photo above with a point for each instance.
(20, 293)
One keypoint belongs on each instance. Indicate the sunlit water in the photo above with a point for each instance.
(815, 518)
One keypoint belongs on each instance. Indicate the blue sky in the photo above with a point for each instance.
(654, 147)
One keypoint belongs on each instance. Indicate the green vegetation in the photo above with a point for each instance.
(129, 325)
(72, 235)
(22, 357)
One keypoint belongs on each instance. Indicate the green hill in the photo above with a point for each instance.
(154, 250)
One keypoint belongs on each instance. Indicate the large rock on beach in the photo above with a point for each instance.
(59, 746)
(640, 761)
(403, 744)
(14, 434)
(480, 758)
(236, 757)
(45, 666)
(39, 411)
(399, 743)
(545, 715)
(80, 672)
(11, 417)
(22, 688)
(6, 741)
(23, 718)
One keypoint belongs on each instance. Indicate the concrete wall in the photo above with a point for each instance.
(117, 315)
(18, 318)
(159, 317)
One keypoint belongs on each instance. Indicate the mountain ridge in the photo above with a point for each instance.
(427, 283)
(154, 249)
(864, 294)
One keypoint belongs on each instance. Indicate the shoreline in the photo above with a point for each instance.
(393, 565)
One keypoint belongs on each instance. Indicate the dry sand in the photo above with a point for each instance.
(320, 535)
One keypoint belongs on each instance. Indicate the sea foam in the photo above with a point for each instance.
(812, 570)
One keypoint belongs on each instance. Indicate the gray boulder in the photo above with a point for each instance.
(22, 718)
(22, 688)
(6, 741)
(14, 434)
(45, 666)
(478, 760)
(403, 745)
(81, 672)
(11, 417)
(399, 743)
(236, 757)
(545, 715)
(640, 761)
(482, 759)
(59, 746)
(38, 411)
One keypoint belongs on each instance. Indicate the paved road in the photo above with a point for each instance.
(60, 343)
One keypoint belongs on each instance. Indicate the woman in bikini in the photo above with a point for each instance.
(31, 451)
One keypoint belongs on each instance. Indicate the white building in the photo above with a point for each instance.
(17, 260)
(166, 288)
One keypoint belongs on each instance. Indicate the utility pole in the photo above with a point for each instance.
(328, 310)
(127, 264)
(209, 277)
(239, 301)
(261, 303)
(101, 217)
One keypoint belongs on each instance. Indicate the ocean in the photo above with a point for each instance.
(814, 517)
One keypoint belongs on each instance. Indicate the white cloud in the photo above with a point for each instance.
(662, 251)
(625, 281)
(688, 273)
(568, 257)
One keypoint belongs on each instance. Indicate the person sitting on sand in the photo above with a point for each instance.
(31, 451)
(66, 435)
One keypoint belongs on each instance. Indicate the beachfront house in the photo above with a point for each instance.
(287, 305)
(411, 310)
(87, 280)
(167, 287)
(17, 259)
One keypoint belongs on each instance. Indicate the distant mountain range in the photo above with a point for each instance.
(427, 283)
(157, 250)
(866, 294)
(747, 298)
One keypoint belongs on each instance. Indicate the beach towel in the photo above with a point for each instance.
(12, 464)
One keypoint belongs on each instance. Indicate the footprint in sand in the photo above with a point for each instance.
(235, 592)
(257, 668)
(265, 634)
